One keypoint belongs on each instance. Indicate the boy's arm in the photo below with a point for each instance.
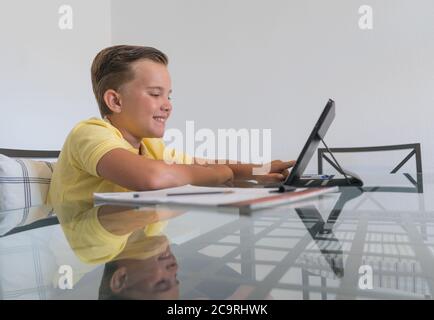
(275, 171)
(136, 172)
(132, 219)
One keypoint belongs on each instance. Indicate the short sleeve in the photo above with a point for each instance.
(90, 142)
(90, 241)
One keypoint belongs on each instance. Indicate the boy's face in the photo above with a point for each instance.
(145, 100)
(150, 278)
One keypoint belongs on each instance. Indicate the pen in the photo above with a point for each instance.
(199, 193)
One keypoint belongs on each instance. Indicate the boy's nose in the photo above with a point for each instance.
(167, 107)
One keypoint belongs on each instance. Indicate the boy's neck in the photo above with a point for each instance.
(134, 141)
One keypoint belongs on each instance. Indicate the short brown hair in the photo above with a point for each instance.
(111, 68)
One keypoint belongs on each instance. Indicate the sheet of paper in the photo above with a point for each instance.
(160, 196)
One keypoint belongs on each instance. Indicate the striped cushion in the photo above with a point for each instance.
(9, 220)
(23, 182)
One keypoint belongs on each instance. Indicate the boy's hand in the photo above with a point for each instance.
(273, 172)
(278, 172)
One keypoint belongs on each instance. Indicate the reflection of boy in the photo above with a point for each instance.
(139, 264)
(144, 270)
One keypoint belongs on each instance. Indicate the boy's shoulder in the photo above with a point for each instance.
(91, 133)
(97, 124)
(96, 133)
(94, 129)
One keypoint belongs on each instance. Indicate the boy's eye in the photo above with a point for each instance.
(155, 94)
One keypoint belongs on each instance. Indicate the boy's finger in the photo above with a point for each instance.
(284, 165)
(290, 163)
(272, 177)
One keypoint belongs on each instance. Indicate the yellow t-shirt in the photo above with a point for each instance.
(93, 244)
(75, 176)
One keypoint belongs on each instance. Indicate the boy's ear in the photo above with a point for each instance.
(119, 279)
(112, 100)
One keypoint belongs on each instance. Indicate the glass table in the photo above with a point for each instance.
(375, 242)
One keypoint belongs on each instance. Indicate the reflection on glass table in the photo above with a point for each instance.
(307, 250)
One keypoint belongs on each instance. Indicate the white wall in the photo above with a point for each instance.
(45, 85)
(273, 64)
(235, 64)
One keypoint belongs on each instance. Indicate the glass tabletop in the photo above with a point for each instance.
(375, 242)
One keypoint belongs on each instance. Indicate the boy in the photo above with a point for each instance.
(124, 150)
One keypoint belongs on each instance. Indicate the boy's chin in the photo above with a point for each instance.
(156, 134)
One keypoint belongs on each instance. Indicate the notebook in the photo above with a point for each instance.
(241, 199)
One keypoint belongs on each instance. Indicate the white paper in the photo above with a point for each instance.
(160, 196)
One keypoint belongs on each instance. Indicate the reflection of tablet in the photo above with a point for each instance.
(324, 241)
(295, 178)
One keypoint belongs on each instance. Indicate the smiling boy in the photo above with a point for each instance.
(124, 150)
